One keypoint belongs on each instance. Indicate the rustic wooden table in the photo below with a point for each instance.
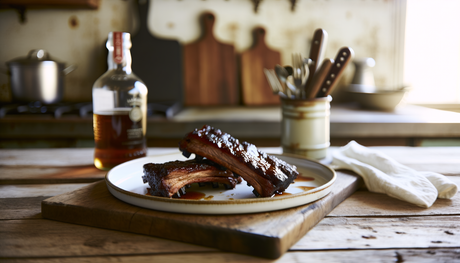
(366, 227)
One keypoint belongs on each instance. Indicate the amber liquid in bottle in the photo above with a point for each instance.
(118, 139)
(120, 108)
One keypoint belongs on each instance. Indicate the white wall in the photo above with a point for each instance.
(370, 27)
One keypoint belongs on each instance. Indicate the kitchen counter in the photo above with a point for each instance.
(408, 125)
(368, 226)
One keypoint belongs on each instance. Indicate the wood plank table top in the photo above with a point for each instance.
(366, 227)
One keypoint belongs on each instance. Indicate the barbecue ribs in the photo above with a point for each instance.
(267, 174)
(170, 179)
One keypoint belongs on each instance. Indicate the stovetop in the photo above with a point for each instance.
(57, 110)
(81, 109)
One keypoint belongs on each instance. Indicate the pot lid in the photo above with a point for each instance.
(35, 56)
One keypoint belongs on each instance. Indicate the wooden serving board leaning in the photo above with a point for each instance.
(210, 70)
(267, 235)
(254, 86)
(157, 61)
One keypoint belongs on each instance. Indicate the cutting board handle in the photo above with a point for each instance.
(207, 21)
(259, 37)
(143, 11)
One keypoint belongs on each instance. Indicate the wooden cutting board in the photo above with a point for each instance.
(157, 61)
(254, 85)
(267, 235)
(210, 70)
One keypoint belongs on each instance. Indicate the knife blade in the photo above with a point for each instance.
(341, 61)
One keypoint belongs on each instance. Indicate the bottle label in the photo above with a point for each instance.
(135, 114)
(118, 47)
(134, 134)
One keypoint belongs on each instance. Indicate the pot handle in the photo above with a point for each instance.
(69, 69)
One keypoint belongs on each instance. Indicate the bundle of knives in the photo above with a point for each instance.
(312, 77)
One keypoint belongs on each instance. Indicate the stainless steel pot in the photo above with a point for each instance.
(37, 78)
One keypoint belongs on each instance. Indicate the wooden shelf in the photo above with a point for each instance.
(89, 4)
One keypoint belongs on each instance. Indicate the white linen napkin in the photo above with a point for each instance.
(382, 174)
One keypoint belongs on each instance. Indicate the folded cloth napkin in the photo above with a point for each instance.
(382, 174)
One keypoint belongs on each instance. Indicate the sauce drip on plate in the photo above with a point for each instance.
(301, 178)
(192, 195)
(282, 194)
(305, 188)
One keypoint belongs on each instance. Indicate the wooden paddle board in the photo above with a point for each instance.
(267, 235)
(157, 62)
(254, 85)
(210, 70)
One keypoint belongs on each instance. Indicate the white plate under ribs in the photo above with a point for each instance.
(125, 183)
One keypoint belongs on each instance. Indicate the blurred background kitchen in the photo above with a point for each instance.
(413, 42)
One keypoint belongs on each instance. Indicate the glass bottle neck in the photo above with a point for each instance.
(125, 64)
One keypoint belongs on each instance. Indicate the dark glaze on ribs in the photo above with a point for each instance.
(267, 174)
(169, 179)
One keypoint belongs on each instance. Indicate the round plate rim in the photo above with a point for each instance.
(247, 201)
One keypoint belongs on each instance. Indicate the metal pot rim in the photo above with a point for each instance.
(35, 57)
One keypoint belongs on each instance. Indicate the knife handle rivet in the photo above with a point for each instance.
(328, 82)
(332, 75)
(338, 65)
(342, 58)
(344, 53)
(316, 42)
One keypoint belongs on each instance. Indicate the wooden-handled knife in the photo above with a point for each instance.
(317, 49)
(343, 57)
(318, 78)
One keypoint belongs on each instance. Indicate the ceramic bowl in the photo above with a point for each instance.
(373, 98)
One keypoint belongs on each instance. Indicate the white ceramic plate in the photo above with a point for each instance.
(125, 183)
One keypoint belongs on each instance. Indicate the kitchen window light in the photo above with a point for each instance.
(432, 53)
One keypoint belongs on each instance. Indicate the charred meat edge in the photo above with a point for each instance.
(170, 179)
(265, 185)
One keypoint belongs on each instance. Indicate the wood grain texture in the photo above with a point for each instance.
(254, 85)
(318, 47)
(58, 157)
(364, 203)
(39, 238)
(50, 175)
(73, 4)
(382, 233)
(350, 256)
(321, 73)
(263, 234)
(366, 227)
(343, 57)
(52, 157)
(210, 69)
(47, 238)
(21, 208)
(33, 190)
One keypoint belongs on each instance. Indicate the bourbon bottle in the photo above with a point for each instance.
(120, 108)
